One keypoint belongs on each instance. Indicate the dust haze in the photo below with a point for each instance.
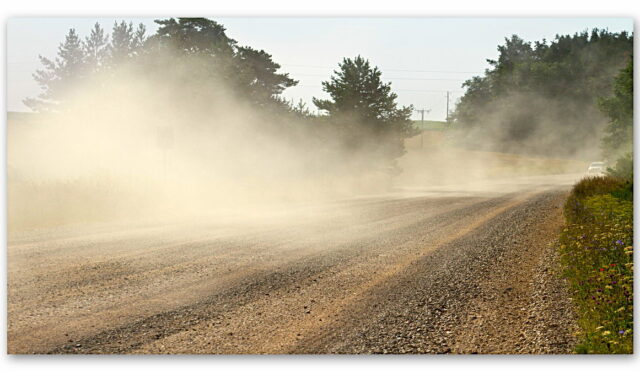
(129, 147)
(515, 123)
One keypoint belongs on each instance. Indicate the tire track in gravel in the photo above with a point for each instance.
(278, 283)
(72, 323)
(477, 294)
(360, 294)
(299, 288)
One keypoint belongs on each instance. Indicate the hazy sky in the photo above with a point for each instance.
(422, 57)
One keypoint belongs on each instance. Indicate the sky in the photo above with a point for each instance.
(423, 58)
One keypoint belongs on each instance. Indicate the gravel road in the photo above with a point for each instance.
(442, 270)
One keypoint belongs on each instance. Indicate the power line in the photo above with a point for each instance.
(387, 78)
(401, 90)
(428, 90)
(397, 70)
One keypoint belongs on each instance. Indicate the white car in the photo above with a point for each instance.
(598, 168)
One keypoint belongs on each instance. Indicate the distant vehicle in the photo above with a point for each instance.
(598, 168)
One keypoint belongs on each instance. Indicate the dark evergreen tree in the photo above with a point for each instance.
(258, 76)
(215, 60)
(139, 37)
(61, 75)
(366, 109)
(96, 47)
(125, 42)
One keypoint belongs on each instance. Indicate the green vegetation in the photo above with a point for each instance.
(596, 250)
(542, 97)
(201, 70)
(618, 142)
(597, 244)
(372, 125)
(192, 56)
(430, 125)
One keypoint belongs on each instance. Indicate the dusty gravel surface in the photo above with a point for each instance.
(443, 271)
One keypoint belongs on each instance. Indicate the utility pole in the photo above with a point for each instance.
(447, 107)
(422, 126)
(422, 129)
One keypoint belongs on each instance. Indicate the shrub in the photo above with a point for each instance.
(623, 168)
(625, 192)
(596, 250)
(574, 206)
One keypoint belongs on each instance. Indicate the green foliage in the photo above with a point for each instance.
(597, 256)
(186, 50)
(79, 60)
(358, 92)
(96, 48)
(366, 111)
(195, 35)
(618, 141)
(60, 75)
(125, 43)
(595, 186)
(249, 73)
(574, 208)
(623, 168)
(203, 73)
(625, 192)
(542, 90)
(430, 125)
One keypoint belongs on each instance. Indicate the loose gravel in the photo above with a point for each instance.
(459, 274)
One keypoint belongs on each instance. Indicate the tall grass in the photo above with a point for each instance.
(43, 204)
(596, 249)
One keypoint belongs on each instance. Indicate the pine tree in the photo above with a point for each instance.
(122, 43)
(59, 76)
(366, 108)
(96, 48)
(139, 38)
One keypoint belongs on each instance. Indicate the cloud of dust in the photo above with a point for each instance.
(513, 139)
(531, 124)
(128, 145)
(132, 145)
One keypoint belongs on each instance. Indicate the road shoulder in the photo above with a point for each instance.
(525, 305)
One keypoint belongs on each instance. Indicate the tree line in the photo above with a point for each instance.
(542, 98)
(545, 97)
(202, 69)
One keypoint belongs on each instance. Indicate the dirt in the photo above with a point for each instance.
(471, 272)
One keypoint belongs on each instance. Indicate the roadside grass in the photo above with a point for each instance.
(509, 165)
(437, 160)
(430, 125)
(34, 205)
(596, 250)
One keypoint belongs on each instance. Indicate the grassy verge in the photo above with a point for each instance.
(430, 125)
(597, 256)
(33, 205)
